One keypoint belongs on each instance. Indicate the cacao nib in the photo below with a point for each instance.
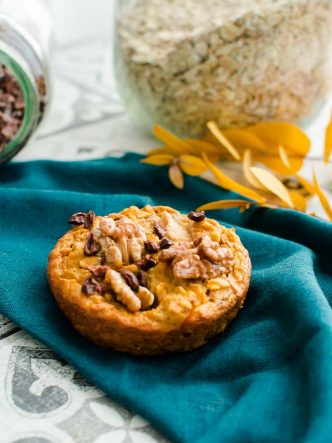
(91, 246)
(151, 246)
(196, 216)
(197, 241)
(160, 231)
(142, 278)
(131, 279)
(89, 218)
(165, 243)
(148, 263)
(91, 286)
(77, 219)
(82, 218)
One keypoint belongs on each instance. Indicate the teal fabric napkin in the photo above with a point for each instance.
(268, 378)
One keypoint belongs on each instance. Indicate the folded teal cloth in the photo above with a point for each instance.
(268, 378)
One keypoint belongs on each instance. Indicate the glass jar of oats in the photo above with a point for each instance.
(181, 63)
(25, 36)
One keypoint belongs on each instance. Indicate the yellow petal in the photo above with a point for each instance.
(230, 184)
(246, 165)
(176, 177)
(159, 160)
(199, 146)
(328, 142)
(158, 151)
(322, 197)
(277, 165)
(274, 134)
(176, 144)
(286, 161)
(225, 204)
(192, 165)
(212, 126)
(270, 182)
(306, 184)
(243, 139)
(284, 158)
(299, 202)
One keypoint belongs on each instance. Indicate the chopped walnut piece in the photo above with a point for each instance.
(123, 292)
(130, 229)
(113, 256)
(188, 267)
(211, 270)
(175, 250)
(213, 251)
(135, 248)
(109, 228)
(146, 297)
(176, 229)
(123, 247)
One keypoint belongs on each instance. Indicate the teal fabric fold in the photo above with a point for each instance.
(266, 379)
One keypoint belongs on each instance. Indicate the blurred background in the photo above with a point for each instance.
(87, 118)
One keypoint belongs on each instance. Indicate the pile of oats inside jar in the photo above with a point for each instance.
(184, 62)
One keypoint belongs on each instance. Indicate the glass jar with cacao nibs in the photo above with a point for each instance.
(25, 41)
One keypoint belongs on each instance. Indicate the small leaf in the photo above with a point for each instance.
(322, 197)
(299, 202)
(230, 184)
(226, 204)
(246, 165)
(192, 165)
(328, 142)
(274, 134)
(212, 126)
(270, 182)
(172, 142)
(159, 160)
(176, 177)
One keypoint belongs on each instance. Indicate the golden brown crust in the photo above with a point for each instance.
(188, 313)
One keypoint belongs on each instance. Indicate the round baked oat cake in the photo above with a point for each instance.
(150, 280)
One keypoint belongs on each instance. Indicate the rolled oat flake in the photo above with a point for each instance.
(25, 33)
